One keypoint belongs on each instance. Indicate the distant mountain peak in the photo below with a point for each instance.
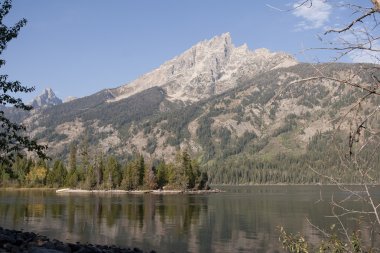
(69, 99)
(46, 98)
(208, 68)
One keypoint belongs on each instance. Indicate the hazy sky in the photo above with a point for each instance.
(80, 47)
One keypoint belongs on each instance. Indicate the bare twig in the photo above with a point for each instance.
(348, 27)
(372, 204)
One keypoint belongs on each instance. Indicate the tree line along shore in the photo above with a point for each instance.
(107, 173)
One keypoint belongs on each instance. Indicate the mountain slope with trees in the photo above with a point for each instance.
(267, 127)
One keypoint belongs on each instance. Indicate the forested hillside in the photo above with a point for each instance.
(271, 128)
(245, 116)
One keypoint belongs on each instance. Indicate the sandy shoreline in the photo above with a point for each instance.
(69, 190)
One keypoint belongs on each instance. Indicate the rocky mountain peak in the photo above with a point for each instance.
(208, 68)
(222, 39)
(221, 43)
(46, 98)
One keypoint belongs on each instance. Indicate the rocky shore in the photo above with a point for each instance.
(19, 242)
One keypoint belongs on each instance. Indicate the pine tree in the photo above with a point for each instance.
(112, 175)
(187, 166)
(72, 179)
(184, 171)
(90, 179)
(73, 157)
(61, 174)
(131, 175)
(84, 155)
(98, 170)
(150, 179)
(172, 174)
(141, 169)
(20, 168)
(57, 176)
(162, 175)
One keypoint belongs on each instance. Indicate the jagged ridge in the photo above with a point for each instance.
(207, 69)
(46, 98)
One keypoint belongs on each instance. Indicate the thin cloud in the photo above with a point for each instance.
(360, 38)
(366, 56)
(314, 16)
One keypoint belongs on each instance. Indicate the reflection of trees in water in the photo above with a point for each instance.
(18, 210)
(320, 218)
(245, 221)
(127, 219)
(148, 210)
(112, 211)
(181, 211)
(248, 221)
(88, 212)
(197, 222)
(134, 210)
(245, 224)
(57, 210)
(71, 214)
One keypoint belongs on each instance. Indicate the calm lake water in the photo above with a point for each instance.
(242, 219)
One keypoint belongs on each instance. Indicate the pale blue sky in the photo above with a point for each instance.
(80, 47)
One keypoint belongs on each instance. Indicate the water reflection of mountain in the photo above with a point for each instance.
(228, 222)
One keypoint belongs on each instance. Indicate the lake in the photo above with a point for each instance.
(242, 219)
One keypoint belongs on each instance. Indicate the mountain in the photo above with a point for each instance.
(248, 116)
(69, 98)
(206, 69)
(46, 98)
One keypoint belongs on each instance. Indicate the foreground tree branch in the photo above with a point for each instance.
(361, 123)
(13, 140)
(349, 26)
